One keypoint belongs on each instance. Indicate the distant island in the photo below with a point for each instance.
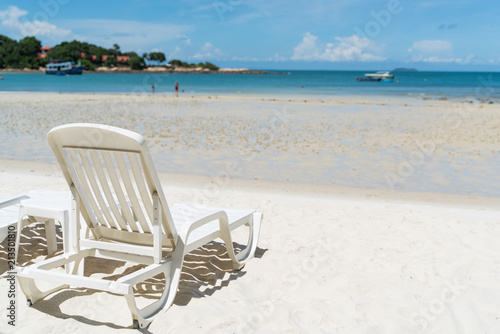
(29, 55)
(403, 69)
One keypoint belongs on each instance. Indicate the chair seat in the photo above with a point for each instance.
(184, 214)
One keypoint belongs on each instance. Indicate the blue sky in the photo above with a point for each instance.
(276, 34)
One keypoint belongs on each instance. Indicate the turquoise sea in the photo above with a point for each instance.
(476, 86)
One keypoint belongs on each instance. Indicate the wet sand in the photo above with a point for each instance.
(411, 145)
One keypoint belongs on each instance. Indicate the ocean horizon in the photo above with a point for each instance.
(456, 86)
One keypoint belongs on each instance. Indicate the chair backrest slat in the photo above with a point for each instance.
(90, 169)
(141, 185)
(118, 190)
(137, 209)
(104, 183)
(81, 184)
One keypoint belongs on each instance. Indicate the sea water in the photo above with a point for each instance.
(473, 86)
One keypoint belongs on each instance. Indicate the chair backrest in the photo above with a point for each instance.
(114, 177)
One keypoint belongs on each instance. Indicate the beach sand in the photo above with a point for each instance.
(330, 258)
(404, 144)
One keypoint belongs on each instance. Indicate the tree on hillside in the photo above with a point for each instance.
(28, 50)
(210, 66)
(87, 64)
(20, 54)
(98, 52)
(137, 63)
(29, 46)
(175, 62)
(5, 39)
(74, 50)
(130, 54)
(9, 58)
(157, 57)
(68, 50)
(111, 62)
(178, 63)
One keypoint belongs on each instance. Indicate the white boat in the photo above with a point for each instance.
(384, 76)
(63, 67)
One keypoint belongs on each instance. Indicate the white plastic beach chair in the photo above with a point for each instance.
(119, 196)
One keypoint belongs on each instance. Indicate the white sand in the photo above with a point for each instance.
(330, 259)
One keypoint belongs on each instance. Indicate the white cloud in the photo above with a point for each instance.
(307, 49)
(174, 54)
(277, 57)
(427, 47)
(12, 22)
(437, 51)
(130, 35)
(247, 58)
(352, 48)
(463, 61)
(185, 39)
(208, 52)
(12, 14)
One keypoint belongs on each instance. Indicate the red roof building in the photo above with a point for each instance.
(43, 52)
(123, 59)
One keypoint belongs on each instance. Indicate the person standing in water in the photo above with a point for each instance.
(153, 88)
(176, 88)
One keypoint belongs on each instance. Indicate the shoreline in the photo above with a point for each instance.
(14, 171)
(341, 98)
(153, 70)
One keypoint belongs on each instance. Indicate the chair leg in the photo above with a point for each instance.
(50, 234)
(240, 259)
(172, 273)
(20, 226)
(33, 294)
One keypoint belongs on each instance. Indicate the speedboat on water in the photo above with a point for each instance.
(384, 76)
(63, 67)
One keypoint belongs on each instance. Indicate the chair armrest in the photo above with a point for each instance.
(215, 215)
(13, 201)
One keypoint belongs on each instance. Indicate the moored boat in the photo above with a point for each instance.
(63, 67)
(384, 76)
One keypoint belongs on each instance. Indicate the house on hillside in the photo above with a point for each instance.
(123, 59)
(43, 52)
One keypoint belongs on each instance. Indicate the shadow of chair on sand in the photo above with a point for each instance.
(204, 271)
(32, 247)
